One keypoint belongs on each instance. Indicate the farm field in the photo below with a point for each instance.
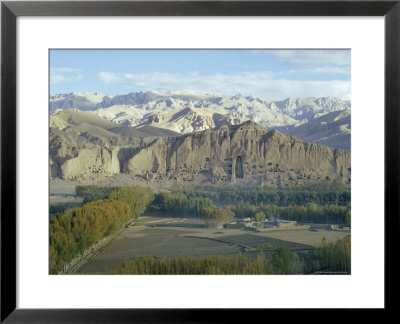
(173, 237)
(307, 237)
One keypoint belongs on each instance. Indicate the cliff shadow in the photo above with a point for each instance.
(125, 154)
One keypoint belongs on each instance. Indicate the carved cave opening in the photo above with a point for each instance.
(239, 167)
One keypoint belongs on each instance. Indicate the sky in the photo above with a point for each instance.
(268, 74)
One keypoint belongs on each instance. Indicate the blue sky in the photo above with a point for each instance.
(274, 74)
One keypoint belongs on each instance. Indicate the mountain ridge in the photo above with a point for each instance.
(187, 112)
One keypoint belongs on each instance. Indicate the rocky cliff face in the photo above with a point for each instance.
(75, 158)
(83, 147)
(246, 153)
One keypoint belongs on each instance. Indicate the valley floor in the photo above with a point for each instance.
(157, 237)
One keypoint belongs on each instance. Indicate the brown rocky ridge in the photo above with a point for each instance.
(245, 153)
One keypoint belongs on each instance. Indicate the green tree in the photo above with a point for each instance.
(138, 198)
(216, 217)
(284, 261)
(76, 229)
(260, 218)
(348, 217)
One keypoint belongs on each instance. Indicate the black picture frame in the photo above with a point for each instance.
(10, 10)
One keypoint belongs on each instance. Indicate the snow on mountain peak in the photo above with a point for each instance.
(185, 112)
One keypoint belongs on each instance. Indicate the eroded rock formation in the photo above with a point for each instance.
(245, 153)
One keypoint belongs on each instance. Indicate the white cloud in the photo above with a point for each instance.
(330, 70)
(257, 84)
(108, 77)
(293, 88)
(308, 57)
(64, 74)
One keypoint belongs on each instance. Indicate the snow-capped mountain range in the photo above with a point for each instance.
(323, 120)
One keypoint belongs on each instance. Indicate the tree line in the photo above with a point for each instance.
(308, 213)
(76, 229)
(314, 203)
(211, 265)
(93, 192)
(332, 257)
(178, 204)
(332, 193)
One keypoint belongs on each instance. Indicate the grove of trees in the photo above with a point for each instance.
(330, 193)
(330, 257)
(183, 204)
(211, 265)
(138, 198)
(309, 213)
(283, 261)
(93, 192)
(215, 217)
(179, 204)
(76, 229)
(314, 203)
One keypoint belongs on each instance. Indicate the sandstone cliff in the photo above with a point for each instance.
(246, 153)
(82, 148)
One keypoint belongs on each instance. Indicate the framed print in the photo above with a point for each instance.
(163, 159)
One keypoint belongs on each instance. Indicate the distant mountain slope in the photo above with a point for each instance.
(189, 120)
(86, 121)
(68, 118)
(78, 100)
(331, 129)
(301, 108)
(185, 112)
